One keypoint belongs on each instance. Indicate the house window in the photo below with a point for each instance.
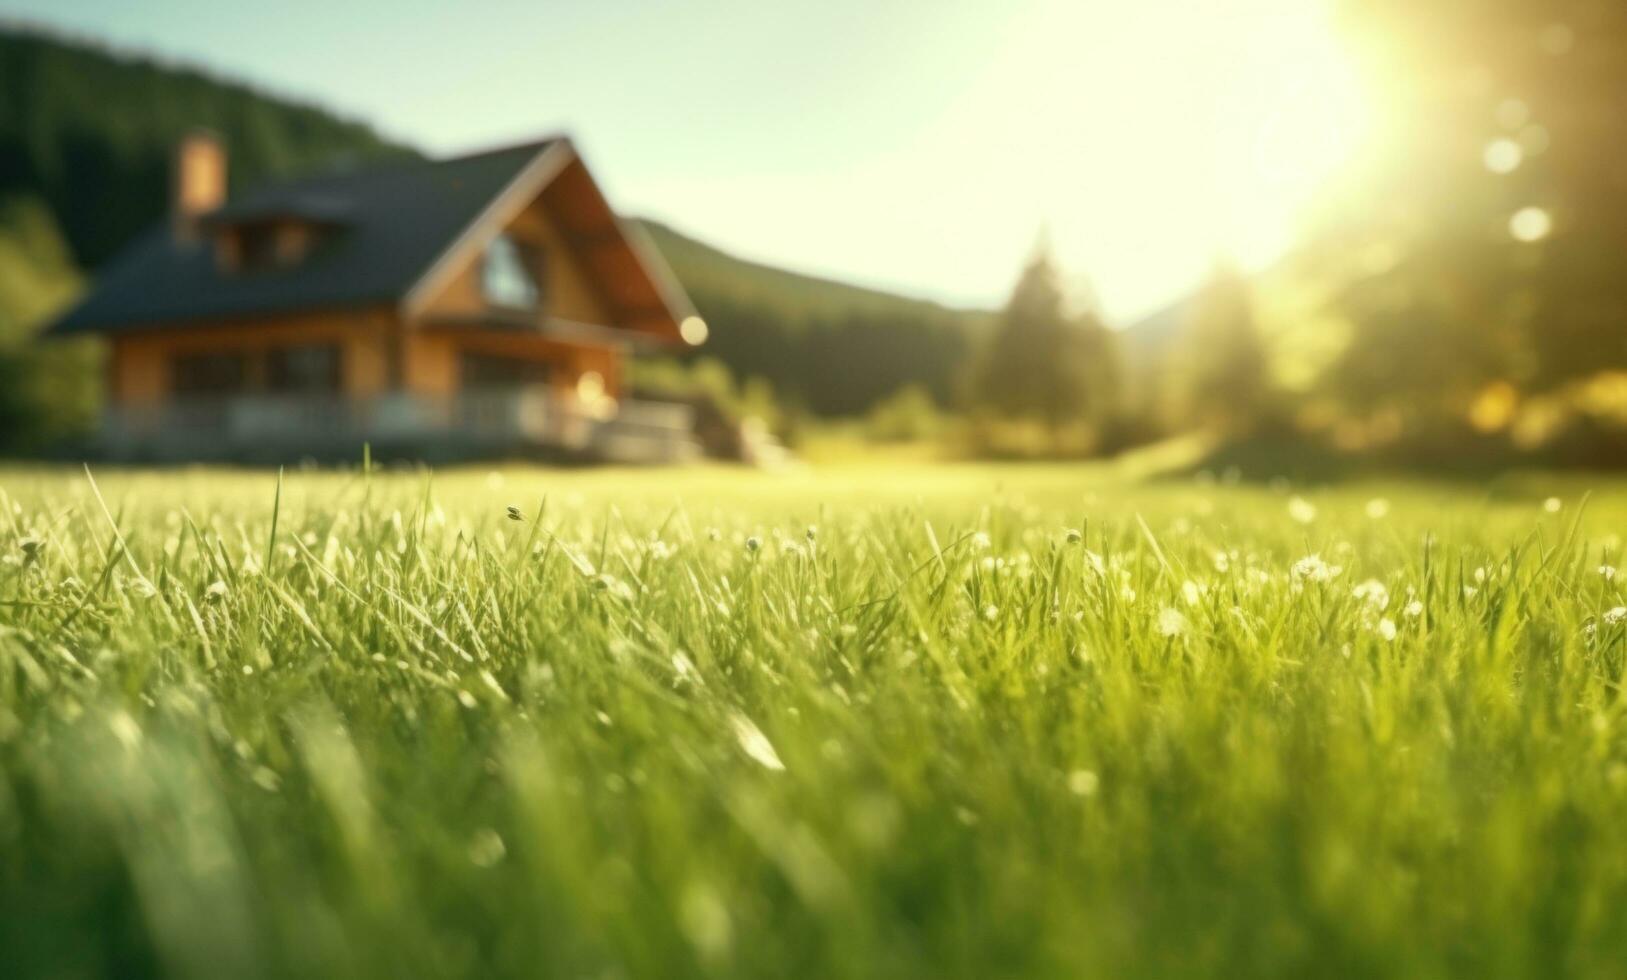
(209, 374)
(491, 371)
(508, 275)
(313, 369)
(257, 247)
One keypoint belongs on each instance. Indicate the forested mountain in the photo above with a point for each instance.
(836, 348)
(90, 132)
(85, 141)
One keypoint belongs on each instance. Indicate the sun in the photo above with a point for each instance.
(1169, 132)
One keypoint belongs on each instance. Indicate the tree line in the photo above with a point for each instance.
(1458, 292)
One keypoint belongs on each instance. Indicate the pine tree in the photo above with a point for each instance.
(1219, 379)
(1042, 364)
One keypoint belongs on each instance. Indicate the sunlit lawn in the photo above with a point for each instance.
(941, 721)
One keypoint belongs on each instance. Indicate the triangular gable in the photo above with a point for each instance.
(632, 282)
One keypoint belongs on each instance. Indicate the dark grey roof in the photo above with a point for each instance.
(277, 203)
(390, 223)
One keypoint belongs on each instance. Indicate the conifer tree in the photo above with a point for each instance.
(1219, 378)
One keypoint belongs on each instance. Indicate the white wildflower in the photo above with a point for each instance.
(1378, 508)
(1413, 609)
(980, 541)
(1615, 616)
(1552, 505)
(1171, 622)
(1083, 782)
(1312, 568)
(1373, 592)
(1608, 571)
(1386, 629)
(1191, 592)
(1301, 510)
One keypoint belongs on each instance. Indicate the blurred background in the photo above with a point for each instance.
(1358, 232)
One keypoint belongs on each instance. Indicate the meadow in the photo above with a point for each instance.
(938, 721)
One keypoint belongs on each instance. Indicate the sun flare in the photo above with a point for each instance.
(1147, 139)
(1222, 122)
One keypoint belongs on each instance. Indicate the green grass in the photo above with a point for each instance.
(406, 735)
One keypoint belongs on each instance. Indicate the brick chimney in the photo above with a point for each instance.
(199, 183)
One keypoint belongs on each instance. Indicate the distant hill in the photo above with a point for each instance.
(706, 268)
(86, 134)
(835, 347)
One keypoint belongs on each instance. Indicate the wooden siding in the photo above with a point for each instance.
(432, 358)
(140, 365)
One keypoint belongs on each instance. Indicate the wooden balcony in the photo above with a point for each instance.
(533, 420)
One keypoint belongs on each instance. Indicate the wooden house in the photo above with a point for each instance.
(436, 308)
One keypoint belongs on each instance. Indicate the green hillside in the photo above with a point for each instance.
(834, 347)
(708, 269)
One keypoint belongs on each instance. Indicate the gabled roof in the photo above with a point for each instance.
(395, 229)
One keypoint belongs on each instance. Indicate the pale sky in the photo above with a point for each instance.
(915, 146)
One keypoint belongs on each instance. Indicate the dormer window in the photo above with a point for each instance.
(508, 275)
(264, 235)
(257, 247)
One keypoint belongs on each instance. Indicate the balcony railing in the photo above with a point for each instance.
(482, 422)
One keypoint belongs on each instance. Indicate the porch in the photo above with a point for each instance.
(528, 420)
